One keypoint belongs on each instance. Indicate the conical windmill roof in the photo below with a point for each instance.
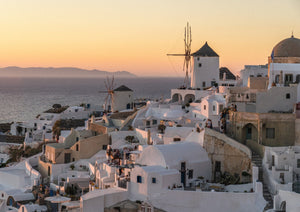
(205, 51)
(123, 88)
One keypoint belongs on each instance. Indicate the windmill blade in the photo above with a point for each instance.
(106, 86)
(175, 54)
(112, 83)
(183, 69)
(109, 100)
(105, 102)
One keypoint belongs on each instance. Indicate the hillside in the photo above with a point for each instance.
(13, 71)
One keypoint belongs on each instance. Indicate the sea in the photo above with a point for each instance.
(22, 99)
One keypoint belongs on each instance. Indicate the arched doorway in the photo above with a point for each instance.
(249, 132)
(283, 206)
(176, 97)
(189, 98)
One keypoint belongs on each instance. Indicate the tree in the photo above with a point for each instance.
(161, 128)
(56, 129)
(129, 138)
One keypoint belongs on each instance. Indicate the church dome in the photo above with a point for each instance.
(289, 47)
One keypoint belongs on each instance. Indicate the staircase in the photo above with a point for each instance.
(257, 160)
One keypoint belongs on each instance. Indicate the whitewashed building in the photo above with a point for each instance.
(284, 63)
(206, 68)
(187, 157)
(282, 168)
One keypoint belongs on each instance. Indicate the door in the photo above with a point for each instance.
(288, 79)
(249, 133)
(183, 173)
(67, 157)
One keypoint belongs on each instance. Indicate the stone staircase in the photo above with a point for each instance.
(257, 160)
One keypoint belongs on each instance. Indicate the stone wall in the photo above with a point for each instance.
(282, 123)
(234, 157)
(12, 139)
(99, 129)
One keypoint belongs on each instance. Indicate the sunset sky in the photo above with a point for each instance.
(136, 35)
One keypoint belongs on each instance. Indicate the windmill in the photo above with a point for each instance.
(187, 64)
(109, 85)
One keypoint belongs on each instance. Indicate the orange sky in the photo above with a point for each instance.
(136, 35)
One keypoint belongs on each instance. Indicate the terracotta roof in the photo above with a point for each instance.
(205, 51)
(123, 88)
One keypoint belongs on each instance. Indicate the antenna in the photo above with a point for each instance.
(187, 64)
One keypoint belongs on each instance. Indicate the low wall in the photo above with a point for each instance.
(273, 185)
(229, 141)
(256, 147)
(195, 201)
(142, 136)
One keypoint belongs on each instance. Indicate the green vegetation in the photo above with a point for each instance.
(16, 152)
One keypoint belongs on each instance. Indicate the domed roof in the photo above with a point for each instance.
(289, 47)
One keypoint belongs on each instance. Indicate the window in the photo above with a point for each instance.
(198, 58)
(214, 108)
(204, 107)
(277, 78)
(153, 180)
(288, 79)
(298, 78)
(139, 179)
(288, 96)
(270, 132)
(77, 147)
(176, 139)
(203, 84)
(154, 122)
(190, 174)
(298, 163)
(147, 123)
(199, 65)
(218, 166)
(281, 176)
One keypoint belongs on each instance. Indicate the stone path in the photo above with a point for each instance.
(257, 160)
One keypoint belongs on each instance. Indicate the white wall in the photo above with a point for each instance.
(286, 68)
(97, 200)
(291, 199)
(146, 188)
(194, 201)
(275, 99)
(253, 70)
(121, 99)
(208, 72)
